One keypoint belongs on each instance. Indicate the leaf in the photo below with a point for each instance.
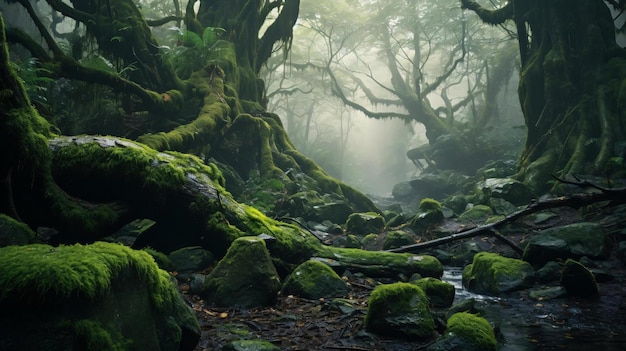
(191, 39)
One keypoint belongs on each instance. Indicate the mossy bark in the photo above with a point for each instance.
(570, 90)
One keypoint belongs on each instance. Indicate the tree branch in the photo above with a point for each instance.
(493, 17)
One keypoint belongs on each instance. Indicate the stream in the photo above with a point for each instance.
(559, 324)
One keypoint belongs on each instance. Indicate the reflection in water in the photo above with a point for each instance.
(571, 324)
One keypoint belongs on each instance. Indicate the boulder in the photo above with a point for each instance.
(397, 238)
(429, 214)
(467, 332)
(440, 294)
(101, 296)
(476, 213)
(245, 277)
(399, 310)
(365, 223)
(191, 259)
(508, 189)
(570, 241)
(577, 280)
(493, 274)
(313, 280)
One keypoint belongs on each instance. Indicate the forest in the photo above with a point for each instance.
(312, 175)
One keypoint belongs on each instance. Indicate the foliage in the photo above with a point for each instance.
(36, 82)
(193, 50)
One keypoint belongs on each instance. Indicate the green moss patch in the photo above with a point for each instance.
(314, 280)
(493, 274)
(476, 332)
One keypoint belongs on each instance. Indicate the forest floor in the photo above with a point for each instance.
(299, 324)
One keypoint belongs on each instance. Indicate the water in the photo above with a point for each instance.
(572, 324)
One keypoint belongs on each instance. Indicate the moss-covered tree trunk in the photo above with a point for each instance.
(571, 87)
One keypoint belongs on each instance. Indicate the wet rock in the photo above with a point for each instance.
(399, 310)
(404, 191)
(578, 280)
(245, 277)
(349, 241)
(440, 294)
(570, 241)
(430, 213)
(313, 280)
(191, 259)
(250, 345)
(550, 293)
(101, 296)
(508, 189)
(501, 206)
(456, 203)
(467, 305)
(493, 274)
(365, 223)
(467, 332)
(336, 212)
(438, 184)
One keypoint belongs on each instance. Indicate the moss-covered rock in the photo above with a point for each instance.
(570, 241)
(397, 238)
(440, 294)
(245, 277)
(313, 280)
(508, 189)
(100, 296)
(399, 310)
(493, 274)
(365, 223)
(13, 232)
(466, 332)
(250, 345)
(476, 213)
(429, 213)
(191, 259)
(578, 280)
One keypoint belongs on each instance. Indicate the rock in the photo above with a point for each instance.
(430, 213)
(467, 332)
(365, 223)
(101, 296)
(551, 271)
(476, 213)
(508, 189)
(403, 191)
(467, 305)
(456, 203)
(550, 293)
(437, 185)
(336, 212)
(370, 241)
(493, 274)
(570, 241)
(501, 206)
(313, 280)
(13, 232)
(397, 238)
(161, 259)
(191, 259)
(399, 310)
(440, 294)
(250, 345)
(578, 280)
(245, 277)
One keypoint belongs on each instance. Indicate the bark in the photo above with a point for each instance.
(570, 90)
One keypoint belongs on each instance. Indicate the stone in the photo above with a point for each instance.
(551, 271)
(313, 280)
(191, 259)
(476, 213)
(102, 296)
(508, 189)
(467, 332)
(493, 274)
(365, 223)
(397, 238)
(578, 280)
(570, 241)
(399, 310)
(245, 277)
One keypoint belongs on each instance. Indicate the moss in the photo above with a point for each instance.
(427, 266)
(477, 212)
(493, 274)
(399, 309)
(365, 223)
(161, 259)
(36, 273)
(476, 331)
(397, 238)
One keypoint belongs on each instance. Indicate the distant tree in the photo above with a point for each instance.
(571, 88)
